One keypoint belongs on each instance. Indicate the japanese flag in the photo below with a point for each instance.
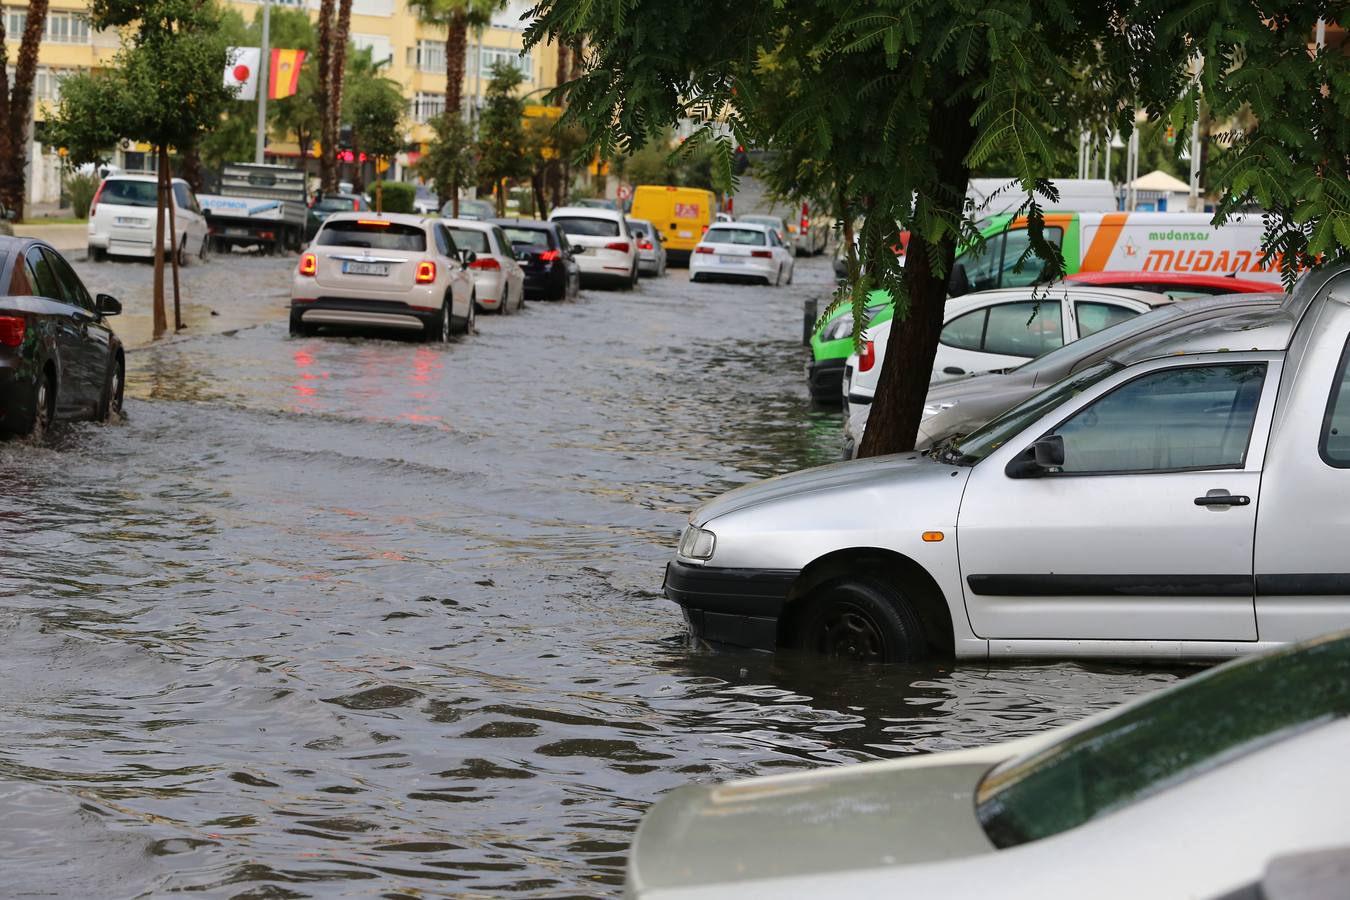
(241, 71)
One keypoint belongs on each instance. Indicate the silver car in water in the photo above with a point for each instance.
(1178, 501)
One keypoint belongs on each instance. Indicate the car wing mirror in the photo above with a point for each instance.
(468, 257)
(1038, 459)
(108, 305)
(577, 248)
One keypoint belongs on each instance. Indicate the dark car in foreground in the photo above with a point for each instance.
(58, 357)
(545, 253)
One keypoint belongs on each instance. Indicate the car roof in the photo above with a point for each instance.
(587, 212)
(639, 221)
(137, 176)
(369, 215)
(539, 224)
(471, 224)
(1057, 291)
(737, 223)
(1264, 328)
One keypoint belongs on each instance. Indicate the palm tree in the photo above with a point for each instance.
(457, 17)
(332, 55)
(14, 103)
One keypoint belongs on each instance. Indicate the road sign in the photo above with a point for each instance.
(625, 192)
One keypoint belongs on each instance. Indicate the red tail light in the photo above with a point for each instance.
(486, 264)
(806, 214)
(621, 246)
(762, 254)
(867, 357)
(644, 245)
(705, 229)
(426, 271)
(309, 265)
(703, 250)
(12, 329)
(550, 255)
(98, 193)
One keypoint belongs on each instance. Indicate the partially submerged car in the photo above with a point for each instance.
(1154, 506)
(1187, 792)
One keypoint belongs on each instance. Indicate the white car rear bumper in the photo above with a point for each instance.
(747, 267)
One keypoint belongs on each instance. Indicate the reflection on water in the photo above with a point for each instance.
(340, 616)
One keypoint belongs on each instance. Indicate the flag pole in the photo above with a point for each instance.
(265, 65)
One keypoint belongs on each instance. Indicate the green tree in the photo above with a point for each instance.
(374, 108)
(451, 160)
(456, 17)
(163, 86)
(502, 152)
(906, 100)
(14, 102)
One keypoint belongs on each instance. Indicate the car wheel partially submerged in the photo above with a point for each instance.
(110, 407)
(861, 619)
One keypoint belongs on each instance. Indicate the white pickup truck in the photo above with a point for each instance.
(1188, 499)
(258, 206)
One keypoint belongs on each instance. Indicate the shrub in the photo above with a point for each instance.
(82, 189)
(398, 196)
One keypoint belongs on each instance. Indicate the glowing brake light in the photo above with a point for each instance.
(550, 255)
(12, 329)
(702, 249)
(485, 264)
(644, 245)
(867, 358)
(309, 265)
(762, 254)
(373, 223)
(621, 246)
(426, 272)
(806, 211)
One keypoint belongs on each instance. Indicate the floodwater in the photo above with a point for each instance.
(343, 616)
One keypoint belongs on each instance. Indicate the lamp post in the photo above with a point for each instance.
(265, 64)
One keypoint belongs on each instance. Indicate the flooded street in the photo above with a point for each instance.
(343, 616)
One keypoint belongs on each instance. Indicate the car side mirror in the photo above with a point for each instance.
(959, 282)
(108, 305)
(1046, 454)
(206, 213)
(468, 257)
(576, 248)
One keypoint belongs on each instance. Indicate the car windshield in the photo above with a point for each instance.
(1216, 717)
(374, 234)
(589, 227)
(128, 193)
(1070, 353)
(638, 229)
(469, 209)
(528, 238)
(745, 236)
(984, 441)
(471, 239)
(335, 204)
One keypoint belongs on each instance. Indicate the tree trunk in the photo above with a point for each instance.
(575, 72)
(339, 74)
(456, 48)
(160, 321)
(190, 166)
(560, 74)
(897, 408)
(15, 101)
(540, 200)
(327, 136)
(173, 238)
(358, 168)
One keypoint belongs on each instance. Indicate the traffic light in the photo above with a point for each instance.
(1171, 135)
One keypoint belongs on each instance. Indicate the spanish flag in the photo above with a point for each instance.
(283, 80)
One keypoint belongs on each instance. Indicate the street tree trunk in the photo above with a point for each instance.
(897, 408)
(327, 134)
(15, 102)
(339, 72)
(160, 320)
(190, 166)
(560, 74)
(173, 239)
(456, 48)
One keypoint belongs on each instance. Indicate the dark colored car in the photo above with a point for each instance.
(542, 248)
(324, 205)
(58, 357)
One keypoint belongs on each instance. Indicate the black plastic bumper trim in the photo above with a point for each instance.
(740, 592)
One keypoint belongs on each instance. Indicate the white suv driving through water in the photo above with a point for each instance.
(122, 219)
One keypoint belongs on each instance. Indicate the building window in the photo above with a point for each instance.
(426, 107)
(46, 83)
(15, 19)
(67, 28)
(427, 56)
(490, 56)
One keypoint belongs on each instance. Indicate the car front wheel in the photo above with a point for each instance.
(110, 407)
(862, 619)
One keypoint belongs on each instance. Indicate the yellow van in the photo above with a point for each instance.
(681, 214)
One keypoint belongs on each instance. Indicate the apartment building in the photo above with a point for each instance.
(414, 53)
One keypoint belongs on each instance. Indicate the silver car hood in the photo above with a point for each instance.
(858, 473)
(856, 818)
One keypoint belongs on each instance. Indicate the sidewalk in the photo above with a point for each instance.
(66, 238)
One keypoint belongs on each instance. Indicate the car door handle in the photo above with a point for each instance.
(1224, 499)
(953, 370)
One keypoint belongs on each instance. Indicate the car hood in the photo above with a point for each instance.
(851, 818)
(858, 474)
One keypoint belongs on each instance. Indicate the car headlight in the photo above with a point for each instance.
(697, 543)
(841, 327)
(932, 409)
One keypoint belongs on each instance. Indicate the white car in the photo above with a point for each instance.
(498, 278)
(1181, 500)
(1190, 792)
(777, 223)
(998, 330)
(742, 252)
(392, 271)
(651, 247)
(607, 251)
(122, 219)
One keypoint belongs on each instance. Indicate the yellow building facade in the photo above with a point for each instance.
(415, 55)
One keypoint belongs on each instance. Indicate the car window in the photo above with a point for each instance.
(589, 227)
(1164, 741)
(1335, 441)
(528, 238)
(1094, 316)
(443, 242)
(1024, 329)
(72, 289)
(965, 332)
(470, 239)
(500, 237)
(1193, 417)
(724, 235)
(636, 229)
(41, 276)
(375, 234)
(1018, 241)
(185, 199)
(122, 192)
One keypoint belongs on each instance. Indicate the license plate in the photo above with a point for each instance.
(236, 232)
(128, 220)
(365, 268)
(731, 260)
(685, 233)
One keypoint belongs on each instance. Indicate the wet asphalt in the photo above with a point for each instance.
(355, 616)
